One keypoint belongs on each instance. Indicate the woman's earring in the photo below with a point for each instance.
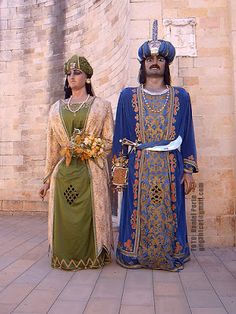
(88, 81)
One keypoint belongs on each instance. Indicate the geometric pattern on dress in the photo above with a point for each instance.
(156, 194)
(71, 194)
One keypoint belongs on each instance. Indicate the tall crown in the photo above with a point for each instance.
(154, 44)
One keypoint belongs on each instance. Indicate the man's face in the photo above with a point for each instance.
(155, 66)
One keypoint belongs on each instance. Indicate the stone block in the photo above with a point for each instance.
(216, 62)
(133, 1)
(7, 172)
(6, 148)
(134, 68)
(216, 52)
(34, 206)
(208, 4)
(171, 13)
(16, 24)
(8, 134)
(11, 160)
(186, 62)
(15, 3)
(191, 80)
(134, 45)
(210, 22)
(175, 4)
(151, 10)
(3, 24)
(12, 205)
(190, 11)
(139, 29)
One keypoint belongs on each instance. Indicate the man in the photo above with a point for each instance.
(155, 120)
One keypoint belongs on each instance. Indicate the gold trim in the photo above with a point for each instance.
(191, 163)
(92, 199)
(142, 134)
(81, 264)
(91, 187)
(188, 171)
(138, 266)
(140, 108)
(171, 111)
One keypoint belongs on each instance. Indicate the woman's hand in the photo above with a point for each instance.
(189, 183)
(43, 190)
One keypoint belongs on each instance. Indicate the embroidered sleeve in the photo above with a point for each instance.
(188, 147)
(190, 165)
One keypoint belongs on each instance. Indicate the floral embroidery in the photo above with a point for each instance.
(133, 219)
(136, 109)
(178, 248)
(172, 162)
(190, 164)
(157, 226)
(128, 245)
(173, 165)
(152, 240)
(176, 108)
(157, 204)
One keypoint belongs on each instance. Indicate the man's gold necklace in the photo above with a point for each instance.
(156, 110)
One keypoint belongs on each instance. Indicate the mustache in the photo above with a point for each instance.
(154, 66)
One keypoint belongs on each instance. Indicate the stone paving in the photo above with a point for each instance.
(28, 284)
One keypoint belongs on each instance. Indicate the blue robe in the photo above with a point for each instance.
(153, 231)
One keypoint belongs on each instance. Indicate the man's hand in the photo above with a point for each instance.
(43, 190)
(189, 183)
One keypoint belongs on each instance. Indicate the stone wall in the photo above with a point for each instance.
(37, 36)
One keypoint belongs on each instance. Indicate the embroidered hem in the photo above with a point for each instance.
(98, 262)
(138, 266)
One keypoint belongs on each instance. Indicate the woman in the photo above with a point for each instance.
(79, 226)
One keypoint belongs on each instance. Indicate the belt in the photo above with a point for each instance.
(156, 146)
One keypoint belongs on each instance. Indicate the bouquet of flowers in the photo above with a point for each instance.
(84, 146)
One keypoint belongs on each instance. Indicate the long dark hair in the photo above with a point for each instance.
(142, 74)
(68, 91)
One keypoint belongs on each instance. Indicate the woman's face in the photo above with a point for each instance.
(76, 79)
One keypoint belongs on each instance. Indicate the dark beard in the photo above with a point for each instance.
(155, 75)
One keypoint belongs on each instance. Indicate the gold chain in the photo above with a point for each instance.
(158, 110)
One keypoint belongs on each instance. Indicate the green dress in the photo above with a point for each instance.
(73, 230)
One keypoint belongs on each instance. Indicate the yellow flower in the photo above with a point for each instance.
(87, 141)
(78, 139)
(78, 150)
(84, 146)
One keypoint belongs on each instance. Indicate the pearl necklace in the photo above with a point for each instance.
(80, 106)
(150, 107)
